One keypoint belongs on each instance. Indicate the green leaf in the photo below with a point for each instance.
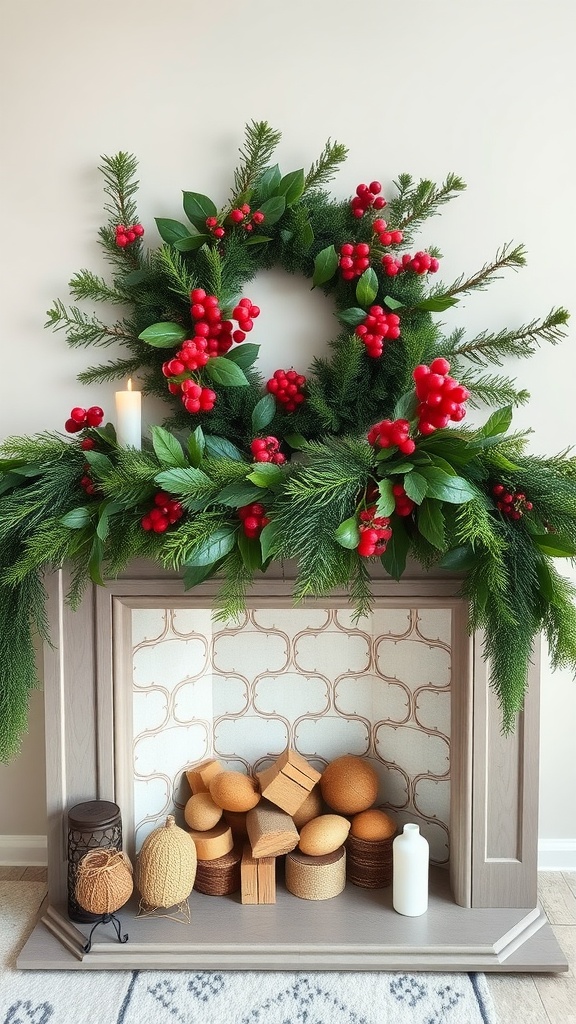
(258, 239)
(263, 413)
(99, 463)
(348, 534)
(249, 548)
(225, 372)
(501, 462)
(545, 582)
(454, 489)
(272, 209)
(497, 423)
(135, 278)
(367, 287)
(195, 574)
(291, 187)
(307, 235)
(197, 208)
(76, 519)
(168, 449)
(95, 562)
(238, 494)
(352, 317)
(393, 303)
(182, 481)
(397, 467)
(458, 559)
(266, 475)
(219, 544)
(397, 548)
(269, 537)
(442, 464)
(244, 356)
(431, 523)
(268, 183)
(163, 335)
(191, 243)
(196, 445)
(325, 265)
(384, 454)
(554, 544)
(416, 486)
(405, 408)
(437, 303)
(222, 448)
(386, 502)
(171, 230)
(296, 441)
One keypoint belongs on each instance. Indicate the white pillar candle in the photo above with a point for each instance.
(129, 418)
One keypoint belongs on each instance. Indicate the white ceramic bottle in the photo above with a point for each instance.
(410, 858)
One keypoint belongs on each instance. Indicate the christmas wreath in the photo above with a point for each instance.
(363, 455)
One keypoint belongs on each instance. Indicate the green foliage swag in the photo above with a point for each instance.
(313, 501)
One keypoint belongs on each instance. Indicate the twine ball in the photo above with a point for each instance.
(349, 784)
(311, 808)
(234, 791)
(166, 866)
(201, 813)
(372, 825)
(324, 835)
(103, 881)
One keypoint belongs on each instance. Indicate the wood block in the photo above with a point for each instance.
(200, 776)
(258, 878)
(288, 782)
(271, 831)
(214, 843)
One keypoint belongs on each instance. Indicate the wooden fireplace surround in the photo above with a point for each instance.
(483, 914)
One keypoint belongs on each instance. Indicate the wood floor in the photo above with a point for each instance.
(525, 998)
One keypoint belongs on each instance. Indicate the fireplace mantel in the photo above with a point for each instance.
(483, 913)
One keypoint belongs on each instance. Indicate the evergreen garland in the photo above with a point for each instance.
(353, 470)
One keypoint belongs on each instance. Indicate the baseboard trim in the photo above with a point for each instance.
(23, 851)
(557, 855)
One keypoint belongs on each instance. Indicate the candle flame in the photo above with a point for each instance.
(129, 384)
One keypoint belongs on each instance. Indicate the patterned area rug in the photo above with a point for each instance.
(221, 997)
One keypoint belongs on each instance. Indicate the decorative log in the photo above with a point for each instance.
(271, 832)
(258, 878)
(214, 843)
(200, 776)
(288, 782)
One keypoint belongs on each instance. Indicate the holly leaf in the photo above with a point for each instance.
(168, 449)
(454, 489)
(554, 544)
(325, 265)
(258, 239)
(171, 230)
(272, 209)
(296, 441)
(163, 335)
(367, 287)
(238, 494)
(195, 574)
(263, 413)
(431, 523)
(95, 562)
(183, 481)
(222, 448)
(215, 547)
(249, 548)
(416, 486)
(393, 303)
(437, 303)
(268, 540)
(352, 317)
(98, 462)
(196, 445)
(348, 535)
(386, 502)
(225, 372)
(306, 235)
(458, 559)
(291, 187)
(191, 243)
(267, 474)
(268, 182)
(77, 519)
(497, 423)
(245, 355)
(397, 548)
(405, 408)
(197, 208)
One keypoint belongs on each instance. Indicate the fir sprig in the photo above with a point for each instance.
(326, 166)
(259, 145)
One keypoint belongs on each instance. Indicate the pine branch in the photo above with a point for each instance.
(41, 448)
(86, 285)
(230, 601)
(490, 389)
(505, 257)
(326, 166)
(113, 370)
(120, 186)
(82, 329)
(212, 261)
(259, 145)
(523, 342)
(170, 263)
(359, 588)
(415, 203)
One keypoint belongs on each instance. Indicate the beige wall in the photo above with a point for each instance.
(483, 89)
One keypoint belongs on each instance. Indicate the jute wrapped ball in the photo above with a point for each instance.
(311, 808)
(373, 825)
(234, 791)
(201, 812)
(349, 784)
(103, 881)
(166, 866)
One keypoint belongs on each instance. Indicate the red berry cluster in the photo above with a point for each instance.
(441, 397)
(245, 313)
(367, 196)
(420, 263)
(354, 259)
(196, 398)
(375, 532)
(404, 504)
(377, 326)
(127, 235)
(388, 433)
(214, 227)
(80, 418)
(512, 504)
(267, 449)
(253, 518)
(286, 386)
(386, 237)
(241, 217)
(164, 513)
(87, 483)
